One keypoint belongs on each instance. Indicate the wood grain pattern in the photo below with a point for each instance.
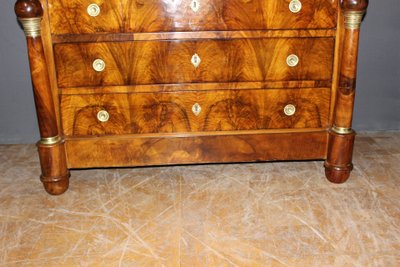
(339, 158)
(338, 164)
(28, 9)
(49, 56)
(55, 175)
(158, 16)
(348, 68)
(172, 112)
(151, 62)
(41, 88)
(141, 151)
(70, 16)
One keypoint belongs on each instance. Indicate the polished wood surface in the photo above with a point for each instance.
(68, 16)
(41, 87)
(152, 62)
(156, 15)
(355, 5)
(55, 174)
(47, 40)
(226, 110)
(340, 153)
(339, 162)
(71, 17)
(156, 150)
(52, 157)
(233, 106)
(348, 68)
(28, 9)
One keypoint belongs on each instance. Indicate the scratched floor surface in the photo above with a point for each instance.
(265, 214)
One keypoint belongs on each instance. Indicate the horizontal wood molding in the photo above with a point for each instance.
(126, 37)
(154, 88)
(141, 151)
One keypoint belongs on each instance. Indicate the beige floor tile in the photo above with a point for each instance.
(254, 214)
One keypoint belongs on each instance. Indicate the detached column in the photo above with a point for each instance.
(55, 175)
(341, 136)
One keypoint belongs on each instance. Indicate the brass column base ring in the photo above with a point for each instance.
(50, 140)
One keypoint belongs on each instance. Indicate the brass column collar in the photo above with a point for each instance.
(50, 140)
(342, 130)
(31, 26)
(352, 19)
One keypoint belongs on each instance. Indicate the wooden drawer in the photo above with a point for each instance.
(72, 16)
(182, 112)
(153, 62)
(181, 15)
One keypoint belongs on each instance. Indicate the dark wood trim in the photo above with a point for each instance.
(122, 37)
(152, 88)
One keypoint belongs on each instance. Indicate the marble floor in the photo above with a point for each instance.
(264, 214)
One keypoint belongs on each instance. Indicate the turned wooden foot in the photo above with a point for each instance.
(56, 187)
(337, 175)
(55, 174)
(338, 164)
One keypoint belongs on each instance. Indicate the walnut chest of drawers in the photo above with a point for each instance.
(157, 82)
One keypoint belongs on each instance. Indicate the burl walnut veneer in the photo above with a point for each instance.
(133, 83)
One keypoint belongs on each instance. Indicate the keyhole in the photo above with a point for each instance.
(196, 109)
(195, 5)
(196, 60)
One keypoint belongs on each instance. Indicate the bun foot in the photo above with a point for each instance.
(337, 175)
(340, 153)
(56, 187)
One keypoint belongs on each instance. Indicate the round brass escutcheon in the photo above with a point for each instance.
(93, 10)
(295, 6)
(99, 65)
(103, 116)
(292, 60)
(289, 110)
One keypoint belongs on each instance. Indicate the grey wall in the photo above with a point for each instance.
(378, 97)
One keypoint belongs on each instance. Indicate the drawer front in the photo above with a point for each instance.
(152, 62)
(205, 15)
(85, 16)
(183, 112)
(81, 16)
